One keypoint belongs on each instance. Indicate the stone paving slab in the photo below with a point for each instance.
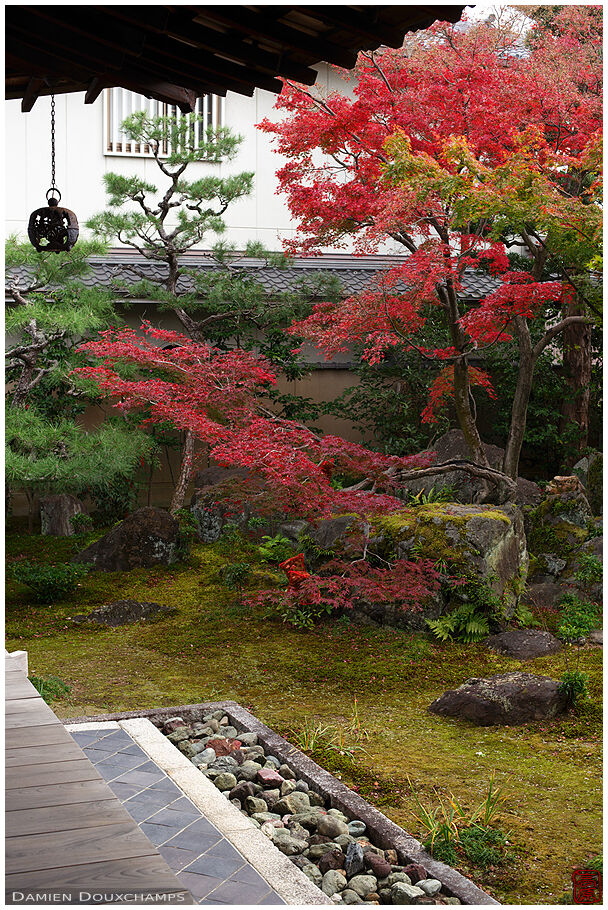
(203, 859)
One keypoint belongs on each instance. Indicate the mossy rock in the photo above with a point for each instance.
(595, 487)
(484, 544)
(559, 525)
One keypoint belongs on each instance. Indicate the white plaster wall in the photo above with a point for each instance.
(81, 162)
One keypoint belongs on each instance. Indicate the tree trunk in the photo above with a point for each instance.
(523, 388)
(466, 420)
(185, 473)
(56, 513)
(577, 374)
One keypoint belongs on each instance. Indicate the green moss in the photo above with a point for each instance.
(595, 483)
(212, 648)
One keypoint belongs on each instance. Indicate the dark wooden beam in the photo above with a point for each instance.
(32, 93)
(264, 27)
(183, 58)
(180, 25)
(96, 87)
(368, 29)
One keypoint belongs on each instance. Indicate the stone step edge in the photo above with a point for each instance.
(385, 833)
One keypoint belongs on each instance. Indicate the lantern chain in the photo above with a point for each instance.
(53, 187)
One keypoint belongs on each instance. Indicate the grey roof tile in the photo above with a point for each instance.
(354, 272)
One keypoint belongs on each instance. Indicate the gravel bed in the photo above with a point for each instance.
(336, 852)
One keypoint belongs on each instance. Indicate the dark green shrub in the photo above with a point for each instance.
(82, 523)
(235, 575)
(589, 569)
(275, 549)
(482, 845)
(51, 688)
(573, 684)
(49, 582)
(578, 617)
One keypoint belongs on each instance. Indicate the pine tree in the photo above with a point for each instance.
(224, 304)
(50, 312)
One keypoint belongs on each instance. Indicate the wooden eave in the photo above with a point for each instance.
(178, 53)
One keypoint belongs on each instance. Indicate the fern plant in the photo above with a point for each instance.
(467, 624)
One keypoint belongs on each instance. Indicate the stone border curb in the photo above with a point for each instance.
(385, 832)
(282, 876)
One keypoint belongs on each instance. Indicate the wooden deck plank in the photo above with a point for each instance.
(39, 735)
(106, 875)
(65, 829)
(19, 687)
(32, 853)
(57, 752)
(64, 818)
(26, 776)
(85, 791)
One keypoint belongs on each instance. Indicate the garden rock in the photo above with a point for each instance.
(313, 874)
(210, 503)
(467, 489)
(287, 844)
(350, 897)
(147, 538)
(524, 644)
(560, 522)
(545, 594)
(507, 698)
(253, 804)
(225, 781)
(354, 859)
(596, 637)
(331, 827)
(333, 859)
(363, 884)
(415, 872)
(224, 746)
(430, 886)
(356, 828)
(249, 771)
(332, 532)
(123, 612)
(377, 865)
(295, 802)
(333, 882)
(483, 543)
(56, 513)
(401, 893)
(269, 778)
(395, 877)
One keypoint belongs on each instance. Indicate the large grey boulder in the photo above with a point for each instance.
(484, 544)
(468, 489)
(507, 698)
(561, 522)
(589, 470)
(147, 538)
(524, 644)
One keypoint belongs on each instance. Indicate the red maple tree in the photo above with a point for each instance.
(219, 398)
(454, 148)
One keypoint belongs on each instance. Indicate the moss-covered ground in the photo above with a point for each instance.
(213, 648)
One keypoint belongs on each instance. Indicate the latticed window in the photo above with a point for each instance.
(120, 103)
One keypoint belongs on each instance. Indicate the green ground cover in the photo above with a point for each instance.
(214, 648)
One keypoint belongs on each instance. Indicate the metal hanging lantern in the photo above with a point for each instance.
(53, 229)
